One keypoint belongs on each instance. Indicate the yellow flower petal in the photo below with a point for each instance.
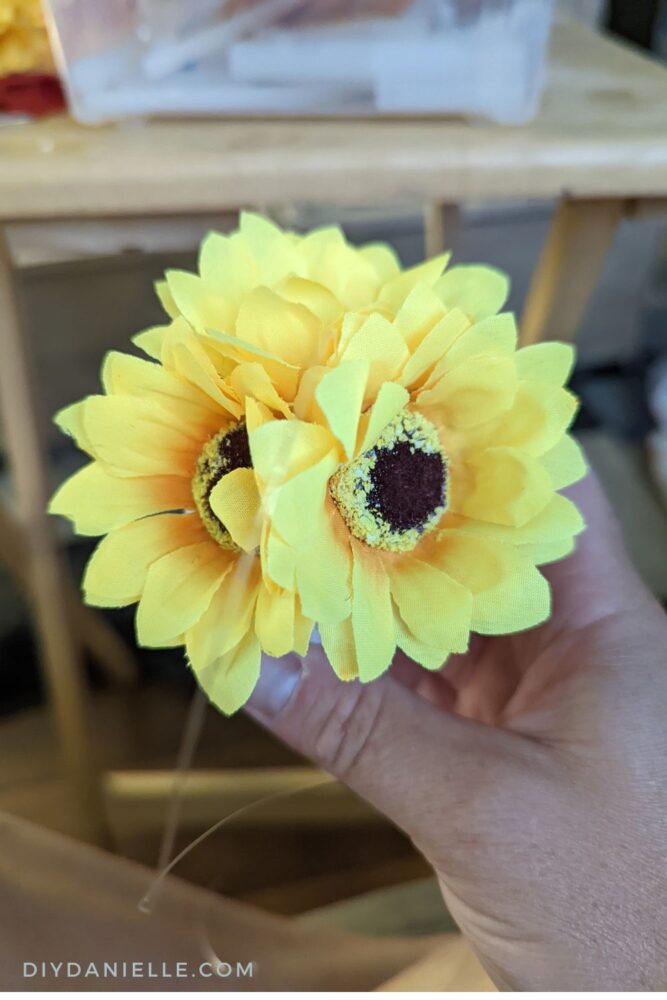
(116, 572)
(251, 379)
(186, 406)
(230, 679)
(372, 614)
(476, 391)
(395, 292)
(565, 463)
(550, 362)
(325, 596)
(305, 405)
(509, 487)
(537, 419)
(332, 262)
(340, 394)
(229, 615)
(229, 269)
(433, 347)
(509, 594)
(495, 335)
(547, 552)
(283, 328)
(429, 657)
(283, 448)
(350, 326)
(383, 347)
(134, 437)
(97, 502)
(479, 291)
(184, 352)
(276, 252)
(303, 630)
(202, 306)
(434, 607)
(303, 517)
(166, 299)
(151, 341)
(338, 643)
(418, 314)
(320, 301)
(127, 375)
(383, 259)
(278, 559)
(70, 422)
(235, 502)
(297, 506)
(391, 399)
(178, 590)
(275, 621)
(256, 414)
(558, 520)
(284, 376)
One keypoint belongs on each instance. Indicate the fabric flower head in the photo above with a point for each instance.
(169, 450)
(324, 439)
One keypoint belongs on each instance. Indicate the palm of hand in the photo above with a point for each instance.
(565, 703)
(525, 682)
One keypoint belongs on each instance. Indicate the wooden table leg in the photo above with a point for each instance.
(61, 653)
(568, 270)
(442, 224)
(107, 647)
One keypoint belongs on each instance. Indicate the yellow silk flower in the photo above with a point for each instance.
(323, 438)
(24, 43)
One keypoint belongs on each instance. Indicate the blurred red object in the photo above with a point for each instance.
(34, 94)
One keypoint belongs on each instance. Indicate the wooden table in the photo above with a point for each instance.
(599, 146)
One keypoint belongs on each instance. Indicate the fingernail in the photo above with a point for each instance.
(276, 685)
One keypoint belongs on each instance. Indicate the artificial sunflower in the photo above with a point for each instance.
(170, 478)
(340, 442)
(424, 492)
(278, 299)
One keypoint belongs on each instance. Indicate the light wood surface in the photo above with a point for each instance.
(281, 866)
(453, 967)
(275, 796)
(602, 131)
(442, 228)
(302, 895)
(34, 244)
(566, 275)
(415, 907)
(90, 913)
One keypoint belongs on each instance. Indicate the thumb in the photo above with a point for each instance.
(415, 763)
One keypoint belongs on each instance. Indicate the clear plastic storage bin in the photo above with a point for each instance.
(336, 57)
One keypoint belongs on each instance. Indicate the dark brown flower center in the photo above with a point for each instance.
(396, 491)
(229, 449)
(407, 485)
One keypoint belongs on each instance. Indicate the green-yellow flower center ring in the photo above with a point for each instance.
(225, 451)
(393, 494)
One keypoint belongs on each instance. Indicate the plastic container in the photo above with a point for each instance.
(121, 58)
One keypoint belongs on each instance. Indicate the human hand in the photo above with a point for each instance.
(531, 772)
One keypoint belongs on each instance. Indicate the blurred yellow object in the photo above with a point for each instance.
(24, 43)
(20, 13)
